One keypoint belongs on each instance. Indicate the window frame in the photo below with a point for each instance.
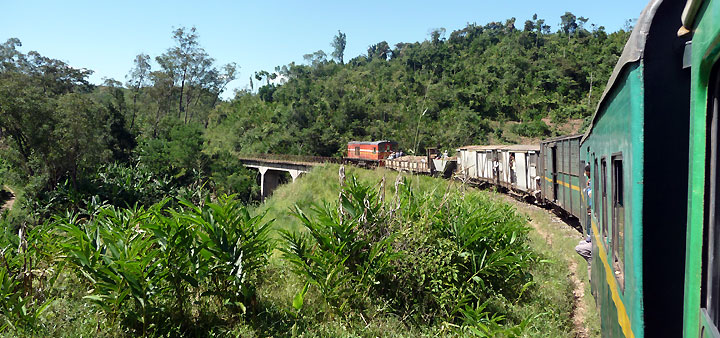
(604, 201)
(618, 208)
(711, 224)
(596, 188)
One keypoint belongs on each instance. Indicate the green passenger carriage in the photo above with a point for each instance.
(636, 147)
(561, 172)
(701, 20)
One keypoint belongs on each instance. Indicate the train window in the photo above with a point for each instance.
(596, 190)
(604, 201)
(574, 158)
(357, 151)
(374, 150)
(564, 156)
(618, 220)
(712, 208)
(561, 148)
(583, 179)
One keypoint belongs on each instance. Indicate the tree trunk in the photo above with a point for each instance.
(132, 121)
(157, 121)
(182, 90)
(188, 98)
(590, 92)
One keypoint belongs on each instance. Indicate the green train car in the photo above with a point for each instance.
(637, 146)
(701, 21)
(561, 172)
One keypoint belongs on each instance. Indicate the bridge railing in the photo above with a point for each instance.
(292, 158)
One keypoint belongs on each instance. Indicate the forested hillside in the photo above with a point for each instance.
(444, 92)
(64, 140)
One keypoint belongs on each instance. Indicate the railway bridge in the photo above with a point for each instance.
(271, 167)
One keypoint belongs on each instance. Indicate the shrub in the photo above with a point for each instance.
(230, 176)
(143, 265)
(535, 128)
(458, 248)
(425, 257)
(124, 185)
(346, 249)
(26, 273)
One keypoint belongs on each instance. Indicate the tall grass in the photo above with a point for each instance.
(26, 273)
(144, 265)
(345, 250)
(424, 256)
(373, 254)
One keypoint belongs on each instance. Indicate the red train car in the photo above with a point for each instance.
(370, 151)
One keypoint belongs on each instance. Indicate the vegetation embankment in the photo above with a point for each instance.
(557, 240)
(407, 257)
(121, 188)
(430, 230)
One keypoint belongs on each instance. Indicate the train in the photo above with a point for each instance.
(371, 154)
(652, 153)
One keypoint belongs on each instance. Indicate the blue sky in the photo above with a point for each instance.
(106, 35)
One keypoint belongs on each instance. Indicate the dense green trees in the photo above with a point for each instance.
(58, 133)
(468, 84)
(53, 126)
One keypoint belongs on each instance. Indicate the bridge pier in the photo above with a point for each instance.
(295, 174)
(271, 171)
(269, 181)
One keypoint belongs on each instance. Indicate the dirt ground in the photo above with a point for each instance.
(8, 196)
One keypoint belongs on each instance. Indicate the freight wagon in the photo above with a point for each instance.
(511, 167)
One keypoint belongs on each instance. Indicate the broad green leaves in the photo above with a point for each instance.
(141, 263)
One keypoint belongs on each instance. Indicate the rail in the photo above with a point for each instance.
(290, 158)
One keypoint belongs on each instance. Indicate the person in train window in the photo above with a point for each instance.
(584, 247)
(513, 178)
(588, 197)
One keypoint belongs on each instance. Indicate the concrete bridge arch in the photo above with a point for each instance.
(271, 167)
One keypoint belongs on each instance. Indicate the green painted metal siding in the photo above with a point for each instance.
(705, 53)
(619, 129)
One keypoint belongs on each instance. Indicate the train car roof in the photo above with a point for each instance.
(371, 142)
(514, 147)
(560, 138)
(475, 148)
(633, 51)
(521, 147)
(689, 13)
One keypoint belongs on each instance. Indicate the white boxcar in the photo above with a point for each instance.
(518, 166)
(467, 161)
(513, 166)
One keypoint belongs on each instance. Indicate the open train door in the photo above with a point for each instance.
(496, 167)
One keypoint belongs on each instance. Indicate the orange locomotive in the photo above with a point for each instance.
(369, 152)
